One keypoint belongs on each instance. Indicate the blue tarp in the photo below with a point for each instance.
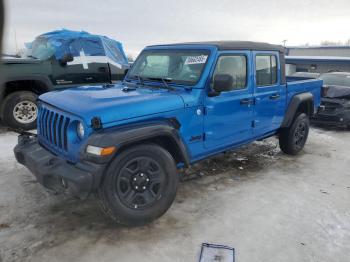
(74, 42)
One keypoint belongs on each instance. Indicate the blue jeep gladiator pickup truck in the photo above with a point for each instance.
(178, 104)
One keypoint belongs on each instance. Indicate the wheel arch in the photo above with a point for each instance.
(162, 133)
(36, 84)
(166, 141)
(300, 103)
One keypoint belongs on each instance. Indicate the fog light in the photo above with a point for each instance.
(100, 151)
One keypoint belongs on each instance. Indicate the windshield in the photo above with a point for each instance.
(336, 79)
(42, 49)
(178, 66)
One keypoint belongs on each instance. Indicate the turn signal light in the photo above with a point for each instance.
(100, 151)
(107, 151)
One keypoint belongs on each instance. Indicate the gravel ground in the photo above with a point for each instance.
(267, 205)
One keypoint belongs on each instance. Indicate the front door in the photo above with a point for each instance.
(229, 115)
(269, 93)
(86, 67)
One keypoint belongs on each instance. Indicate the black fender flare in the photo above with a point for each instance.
(294, 104)
(121, 137)
(45, 80)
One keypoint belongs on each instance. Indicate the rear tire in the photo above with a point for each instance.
(293, 138)
(20, 111)
(140, 185)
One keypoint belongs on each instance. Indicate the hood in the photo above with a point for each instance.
(15, 60)
(111, 103)
(332, 91)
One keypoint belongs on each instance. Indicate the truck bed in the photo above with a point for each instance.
(297, 85)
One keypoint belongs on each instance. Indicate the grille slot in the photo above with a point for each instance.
(60, 132)
(50, 127)
(53, 128)
(65, 142)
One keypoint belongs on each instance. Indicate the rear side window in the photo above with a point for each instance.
(234, 65)
(266, 70)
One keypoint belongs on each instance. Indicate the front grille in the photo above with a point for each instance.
(53, 128)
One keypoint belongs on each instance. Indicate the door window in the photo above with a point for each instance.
(235, 66)
(266, 70)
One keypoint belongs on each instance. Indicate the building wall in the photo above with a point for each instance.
(319, 51)
(322, 68)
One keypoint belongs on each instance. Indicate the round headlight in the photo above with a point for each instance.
(80, 130)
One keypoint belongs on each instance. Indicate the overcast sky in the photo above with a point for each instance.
(144, 22)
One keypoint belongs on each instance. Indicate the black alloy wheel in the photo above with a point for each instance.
(140, 185)
(140, 182)
(300, 134)
(292, 139)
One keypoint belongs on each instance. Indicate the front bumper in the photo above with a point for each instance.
(55, 173)
(340, 117)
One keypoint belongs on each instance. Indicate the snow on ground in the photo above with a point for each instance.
(265, 204)
(7, 142)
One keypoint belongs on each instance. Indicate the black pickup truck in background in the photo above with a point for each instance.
(335, 100)
(56, 60)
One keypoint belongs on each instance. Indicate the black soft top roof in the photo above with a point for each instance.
(235, 45)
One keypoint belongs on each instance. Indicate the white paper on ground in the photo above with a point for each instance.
(216, 253)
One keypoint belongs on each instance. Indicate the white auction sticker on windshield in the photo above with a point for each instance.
(201, 59)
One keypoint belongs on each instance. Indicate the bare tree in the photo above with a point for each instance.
(131, 58)
(334, 43)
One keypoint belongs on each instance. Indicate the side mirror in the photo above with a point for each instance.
(126, 71)
(65, 59)
(222, 83)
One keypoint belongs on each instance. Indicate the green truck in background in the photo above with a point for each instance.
(56, 60)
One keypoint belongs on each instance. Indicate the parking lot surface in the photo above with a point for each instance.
(265, 204)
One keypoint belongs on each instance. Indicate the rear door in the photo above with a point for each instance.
(269, 93)
(229, 116)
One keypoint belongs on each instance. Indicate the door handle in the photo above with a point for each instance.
(246, 101)
(275, 96)
(102, 69)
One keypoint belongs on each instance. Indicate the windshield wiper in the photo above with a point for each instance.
(164, 80)
(32, 56)
(137, 77)
(128, 88)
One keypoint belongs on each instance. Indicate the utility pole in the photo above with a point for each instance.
(2, 21)
(284, 42)
(16, 42)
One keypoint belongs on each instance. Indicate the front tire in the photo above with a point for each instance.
(292, 139)
(20, 110)
(140, 185)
